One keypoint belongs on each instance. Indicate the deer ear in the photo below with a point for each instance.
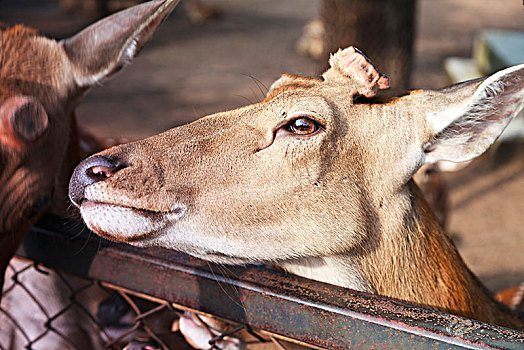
(23, 120)
(351, 65)
(476, 113)
(106, 46)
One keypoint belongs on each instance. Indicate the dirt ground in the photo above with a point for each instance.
(190, 70)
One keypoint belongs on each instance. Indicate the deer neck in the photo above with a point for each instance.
(413, 260)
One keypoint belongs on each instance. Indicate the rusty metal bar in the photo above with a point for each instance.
(311, 312)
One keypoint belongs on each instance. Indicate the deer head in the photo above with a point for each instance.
(41, 82)
(307, 172)
(315, 179)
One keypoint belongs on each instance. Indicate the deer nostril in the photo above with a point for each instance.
(90, 171)
(100, 173)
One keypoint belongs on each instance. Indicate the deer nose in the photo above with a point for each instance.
(90, 171)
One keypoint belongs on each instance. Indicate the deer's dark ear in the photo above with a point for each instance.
(106, 46)
(466, 119)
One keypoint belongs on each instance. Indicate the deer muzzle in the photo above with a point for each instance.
(121, 222)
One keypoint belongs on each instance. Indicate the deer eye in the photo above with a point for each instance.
(303, 126)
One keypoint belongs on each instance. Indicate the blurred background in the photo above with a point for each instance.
(216, 55)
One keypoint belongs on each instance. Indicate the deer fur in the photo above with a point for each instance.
(41, 83)
(55, 76)
(336, 205)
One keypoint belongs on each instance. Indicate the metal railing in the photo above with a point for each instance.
(269, 302)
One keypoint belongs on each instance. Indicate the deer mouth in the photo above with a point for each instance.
(126, 224)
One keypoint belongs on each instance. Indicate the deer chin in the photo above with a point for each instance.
(127, 224)
(146, 228)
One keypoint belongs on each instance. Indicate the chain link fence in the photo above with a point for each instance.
(44, 308)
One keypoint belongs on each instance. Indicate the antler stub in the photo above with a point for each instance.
(352, 63)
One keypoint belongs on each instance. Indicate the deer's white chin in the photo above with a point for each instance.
(125, 224)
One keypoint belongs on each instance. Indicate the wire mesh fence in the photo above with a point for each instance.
(44, 308)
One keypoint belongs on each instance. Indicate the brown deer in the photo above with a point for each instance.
(41, 83)
(315, 179)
